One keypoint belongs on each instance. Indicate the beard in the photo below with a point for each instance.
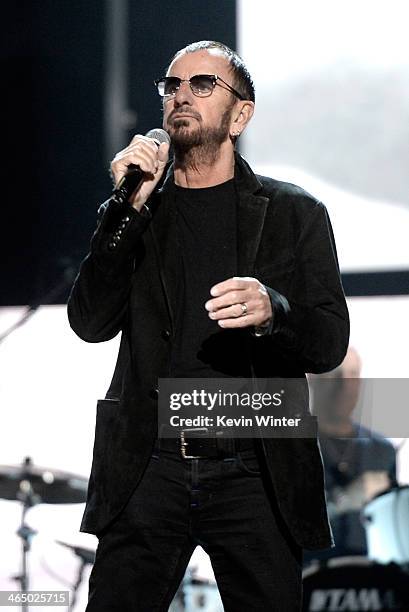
(200, 145)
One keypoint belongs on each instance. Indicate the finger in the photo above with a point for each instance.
(148, 149)
(120, 169)
(229, 299)
(136, 144)
(232, 312)
(145, 159)
(139, 143)
(163, 152)
(237, 322)
(230, 284)
(158, 154)
(139, 138)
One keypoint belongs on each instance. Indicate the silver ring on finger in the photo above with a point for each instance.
(243, 309)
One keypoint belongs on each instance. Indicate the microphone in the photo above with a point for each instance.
(134, 177)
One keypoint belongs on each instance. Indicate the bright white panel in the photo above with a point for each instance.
(332, 84)
(49, 386)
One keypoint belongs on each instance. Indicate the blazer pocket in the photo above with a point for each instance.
(107, 410)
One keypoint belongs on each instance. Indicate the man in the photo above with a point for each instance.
(209, 272)
(359, 463)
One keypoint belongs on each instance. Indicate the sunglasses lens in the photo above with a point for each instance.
(202, 85)
(168, 86)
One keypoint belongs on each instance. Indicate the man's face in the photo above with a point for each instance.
(194, 121)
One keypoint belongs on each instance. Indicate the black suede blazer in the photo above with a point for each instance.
(128, 283)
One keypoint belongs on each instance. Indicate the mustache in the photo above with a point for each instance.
(183, 111)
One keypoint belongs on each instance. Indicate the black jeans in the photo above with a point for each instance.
(225, 506)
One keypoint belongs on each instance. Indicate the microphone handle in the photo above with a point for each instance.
(127, 185)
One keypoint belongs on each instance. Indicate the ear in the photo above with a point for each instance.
(241, 115)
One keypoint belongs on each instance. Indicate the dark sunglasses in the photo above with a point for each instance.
(202, 85)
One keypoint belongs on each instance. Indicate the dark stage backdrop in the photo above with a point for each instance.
(55, 155)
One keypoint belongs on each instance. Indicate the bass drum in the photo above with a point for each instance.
(386, 520)
(356, 584)
(198, 591)
(202, 597)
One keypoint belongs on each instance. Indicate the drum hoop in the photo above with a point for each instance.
(336, 562)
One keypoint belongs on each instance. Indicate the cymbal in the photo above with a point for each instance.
(49, 486)
(86, 554)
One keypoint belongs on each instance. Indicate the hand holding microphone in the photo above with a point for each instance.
(138, 168)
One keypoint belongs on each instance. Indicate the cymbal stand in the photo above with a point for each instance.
(87, 557)
(28, 499)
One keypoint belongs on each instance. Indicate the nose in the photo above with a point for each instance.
(184, 94)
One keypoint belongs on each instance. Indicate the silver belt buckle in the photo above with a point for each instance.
(184, 443)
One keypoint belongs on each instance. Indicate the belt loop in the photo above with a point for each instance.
(226, 444)
(158, 441)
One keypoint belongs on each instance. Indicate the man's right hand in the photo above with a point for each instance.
(151, 159)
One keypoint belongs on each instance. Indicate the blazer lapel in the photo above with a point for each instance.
(251, 212)
(164, 233)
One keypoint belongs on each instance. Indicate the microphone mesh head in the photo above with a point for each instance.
(158, 135)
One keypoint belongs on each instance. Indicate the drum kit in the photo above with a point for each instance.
(379, 581)
(32, 485)
(198, 589)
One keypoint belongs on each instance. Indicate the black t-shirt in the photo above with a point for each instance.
(206, 229)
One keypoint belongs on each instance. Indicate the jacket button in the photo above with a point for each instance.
(154, 394)
(165, 334)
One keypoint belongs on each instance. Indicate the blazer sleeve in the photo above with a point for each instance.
(311, 322)
(98, 299)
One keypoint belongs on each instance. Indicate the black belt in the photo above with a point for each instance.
(200, 443)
